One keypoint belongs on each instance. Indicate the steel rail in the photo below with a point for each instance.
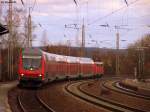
(39, 100)
(20, 103)
(44, 104)
(128, 91)
(100, 102)
(111, 102)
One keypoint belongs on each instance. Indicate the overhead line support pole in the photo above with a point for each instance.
(117, 54)
(10, 43)
(29, 30)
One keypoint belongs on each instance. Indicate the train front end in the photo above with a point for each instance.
(31, 66)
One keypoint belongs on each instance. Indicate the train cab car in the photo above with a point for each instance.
(31, 65)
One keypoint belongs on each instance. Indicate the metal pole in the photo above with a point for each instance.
(0, 9)
(10, 46)
(135, 72)
(139, 74)
(83, 43)
(29, 30)
(143, 59)
(83, 40)
(117, 54)
(8, 62)
(12, 59)
(141, 63)
(69, 55)
(69, 60)
(0, 62)
(141, 56)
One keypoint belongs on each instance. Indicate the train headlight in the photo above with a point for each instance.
(40, 75)
(22, 75)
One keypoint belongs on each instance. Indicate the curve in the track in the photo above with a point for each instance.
(74, 89)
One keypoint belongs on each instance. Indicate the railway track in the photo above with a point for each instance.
(123, 90)
(75, 90)
(30, 102)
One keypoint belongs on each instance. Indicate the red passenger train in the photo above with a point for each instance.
(36, 65)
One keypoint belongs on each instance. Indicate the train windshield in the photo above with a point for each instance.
(31, 62)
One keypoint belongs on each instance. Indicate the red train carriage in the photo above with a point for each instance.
(39, 66)
(98, 69)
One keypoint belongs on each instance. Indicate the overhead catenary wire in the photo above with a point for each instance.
(75, 2)
(74, 5)
(22, 2)
(111, 13)
(126, 2)
(32, 7)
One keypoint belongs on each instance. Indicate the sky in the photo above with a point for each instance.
(51, 17)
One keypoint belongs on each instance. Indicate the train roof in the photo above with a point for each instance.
(99, 63)
(56, 57)
(71, 59)
(86, 60)
(68, 59)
